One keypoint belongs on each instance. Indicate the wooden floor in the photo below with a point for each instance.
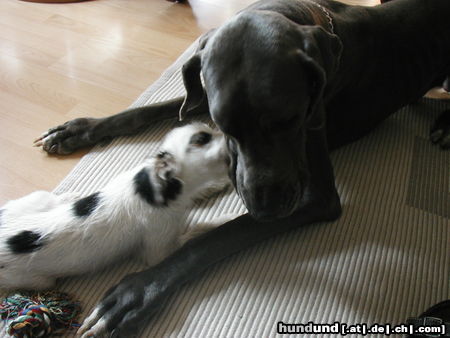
(92, 58)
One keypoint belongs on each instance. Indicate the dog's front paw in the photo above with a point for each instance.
(68, 137)
(440, 132)
(166, 170)
(164, 165)
(126, 306)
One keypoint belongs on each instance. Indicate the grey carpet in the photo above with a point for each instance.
(387, 258)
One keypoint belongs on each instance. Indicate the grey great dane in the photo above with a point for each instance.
(286, 81)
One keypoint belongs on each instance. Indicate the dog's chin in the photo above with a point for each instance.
(273, 210)
(264, 216)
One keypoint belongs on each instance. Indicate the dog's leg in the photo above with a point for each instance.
(440, 132)
(37, 201)
(84, 132)
(15, 273)
(36, 282)
(140, 294)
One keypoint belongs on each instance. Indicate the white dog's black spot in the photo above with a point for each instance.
(200, 139)
(143, 186)
(162, 154)
(172, 190)
(86, 205)
(24, 242)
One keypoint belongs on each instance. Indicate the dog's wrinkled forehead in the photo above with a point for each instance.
(247, 37)
(251, 58)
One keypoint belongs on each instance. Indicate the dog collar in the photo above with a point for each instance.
(327, 14)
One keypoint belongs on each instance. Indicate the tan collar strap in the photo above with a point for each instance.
(327, 14)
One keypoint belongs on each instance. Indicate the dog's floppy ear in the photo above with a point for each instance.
(195, 94)
(325, 48)
(321, 54)
(193, 84)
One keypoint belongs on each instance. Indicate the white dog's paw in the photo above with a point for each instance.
(37, 201)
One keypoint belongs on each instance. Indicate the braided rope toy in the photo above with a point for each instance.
(39, 315)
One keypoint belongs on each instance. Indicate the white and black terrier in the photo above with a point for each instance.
(45, 236)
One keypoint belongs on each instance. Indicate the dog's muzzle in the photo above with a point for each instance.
(268, 202)
(266, 196)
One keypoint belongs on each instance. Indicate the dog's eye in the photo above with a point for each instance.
(200, 139)
(162, 154)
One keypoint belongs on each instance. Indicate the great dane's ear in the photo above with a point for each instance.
(323, 47)
(195, 94)
(321, 55)
(193, 84)
(446, 84)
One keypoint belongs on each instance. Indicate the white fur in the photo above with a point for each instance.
(122, 223)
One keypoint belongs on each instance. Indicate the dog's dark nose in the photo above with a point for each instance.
(268, 202)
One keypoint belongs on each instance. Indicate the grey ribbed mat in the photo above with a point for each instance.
(386, 259)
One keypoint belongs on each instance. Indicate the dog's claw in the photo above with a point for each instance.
(98, 330)
(39, 139)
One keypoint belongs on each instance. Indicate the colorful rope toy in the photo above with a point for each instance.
(39, 315)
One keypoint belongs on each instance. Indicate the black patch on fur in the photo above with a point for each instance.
(143, 186)
(24, 242)
(86, 205)
(200, 139)
(173, 189)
